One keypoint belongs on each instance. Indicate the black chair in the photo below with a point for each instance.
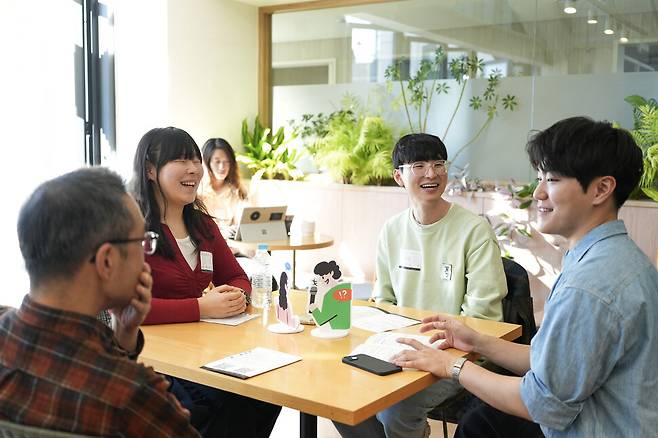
(517, 309)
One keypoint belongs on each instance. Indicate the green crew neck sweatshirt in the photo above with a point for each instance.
(451, 266)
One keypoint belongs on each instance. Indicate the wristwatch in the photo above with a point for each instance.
(457, 368)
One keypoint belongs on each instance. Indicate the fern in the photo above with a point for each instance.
(645, 133)
(357, 149)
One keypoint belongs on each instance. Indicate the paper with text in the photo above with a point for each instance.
(376, 320)
(232, 320)
(384, 345)
(252, 362)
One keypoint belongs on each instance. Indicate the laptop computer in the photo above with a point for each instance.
(262, 224)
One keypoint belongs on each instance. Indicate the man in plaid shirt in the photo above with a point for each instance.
(83, 241)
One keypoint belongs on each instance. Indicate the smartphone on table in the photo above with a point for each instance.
(371, 364)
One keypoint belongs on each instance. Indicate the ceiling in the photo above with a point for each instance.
(260, 3)
(418, 16)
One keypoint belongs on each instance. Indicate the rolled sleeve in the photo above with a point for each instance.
(571, 356)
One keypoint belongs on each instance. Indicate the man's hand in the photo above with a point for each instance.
(129, 318)
(455, 333)
(424, 358)
(222, 301)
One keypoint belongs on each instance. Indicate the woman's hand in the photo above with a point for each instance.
(455, 333)
(221, 302)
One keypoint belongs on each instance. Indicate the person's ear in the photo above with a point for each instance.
(397, 176)
(604, 188)
(150, 171)
(105, 260)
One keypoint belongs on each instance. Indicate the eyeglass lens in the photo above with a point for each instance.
(420, 168)
(150, 243)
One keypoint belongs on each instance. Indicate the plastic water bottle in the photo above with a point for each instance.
(261, 280)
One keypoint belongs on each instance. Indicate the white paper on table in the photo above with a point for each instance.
(385, 345)
(376, 320)
(252, 362)
(232, 320)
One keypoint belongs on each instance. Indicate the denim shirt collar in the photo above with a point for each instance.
(595, 235)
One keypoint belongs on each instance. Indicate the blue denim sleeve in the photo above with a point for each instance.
(571, 356)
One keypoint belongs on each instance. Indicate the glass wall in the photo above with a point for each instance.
(552, 61)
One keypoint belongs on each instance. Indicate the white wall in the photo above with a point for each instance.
(185, 63)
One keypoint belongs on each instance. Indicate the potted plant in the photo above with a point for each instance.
(269, 156)
(417, 96)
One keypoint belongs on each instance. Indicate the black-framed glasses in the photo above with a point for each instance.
(149, 243)
(420, 168)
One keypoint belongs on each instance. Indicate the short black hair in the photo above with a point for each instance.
(418, 147)
(65, 219)
(585, 149)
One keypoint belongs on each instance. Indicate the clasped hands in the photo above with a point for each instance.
(222, 301)
(437, 361)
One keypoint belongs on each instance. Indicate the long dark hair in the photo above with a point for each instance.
(233, 176)
(283, 290)
(158, 147)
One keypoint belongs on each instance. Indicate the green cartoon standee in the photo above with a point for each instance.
(332, 306)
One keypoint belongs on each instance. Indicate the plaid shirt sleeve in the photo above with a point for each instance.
(154, 411)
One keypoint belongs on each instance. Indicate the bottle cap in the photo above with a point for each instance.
(262, 246)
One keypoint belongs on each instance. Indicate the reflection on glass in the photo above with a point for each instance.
(556, 64)
(512, 37)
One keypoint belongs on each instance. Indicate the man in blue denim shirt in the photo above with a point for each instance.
(590, 371)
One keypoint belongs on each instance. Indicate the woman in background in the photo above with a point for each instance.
(191, 254)
(222, 190)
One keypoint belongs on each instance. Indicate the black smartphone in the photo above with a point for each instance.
(372, 364)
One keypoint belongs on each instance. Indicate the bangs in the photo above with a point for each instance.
(424, 152)
(418, 147)
(176, 144)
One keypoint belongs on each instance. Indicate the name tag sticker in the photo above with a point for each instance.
(206, 261)
(410, 259)
(446, 271)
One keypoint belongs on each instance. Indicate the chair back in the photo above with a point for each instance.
(517, 304)
(14, 430)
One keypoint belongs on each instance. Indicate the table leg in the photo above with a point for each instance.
(308, 425)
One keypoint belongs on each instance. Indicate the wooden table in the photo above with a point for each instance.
(318, 385)
(294, 243)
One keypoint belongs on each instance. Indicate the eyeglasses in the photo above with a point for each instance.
(420, 168)
(149, 243)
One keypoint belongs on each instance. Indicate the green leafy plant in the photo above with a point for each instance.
(417, 95)
(645, 133)
(315, 126)
(356, 148)
(268, 155)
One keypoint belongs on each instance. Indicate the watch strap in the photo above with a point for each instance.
(457, 368)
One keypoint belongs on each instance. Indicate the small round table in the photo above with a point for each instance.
(294, 243)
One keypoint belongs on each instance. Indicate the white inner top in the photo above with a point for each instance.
(188, 249)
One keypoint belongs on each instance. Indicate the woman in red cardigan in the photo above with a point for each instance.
(190, 254)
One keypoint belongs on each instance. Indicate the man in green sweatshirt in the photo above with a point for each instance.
(434, 256)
